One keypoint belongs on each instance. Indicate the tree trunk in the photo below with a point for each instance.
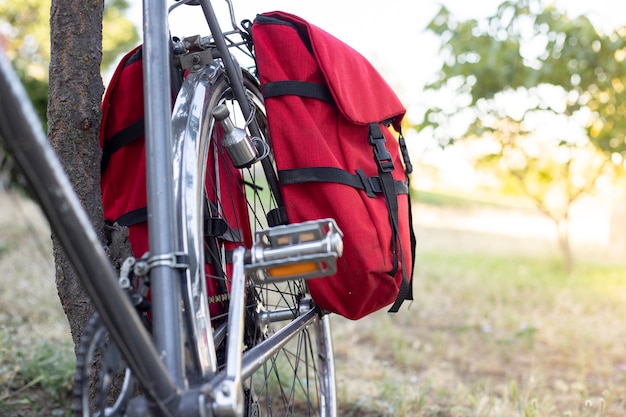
(74, 115)
(562, 226)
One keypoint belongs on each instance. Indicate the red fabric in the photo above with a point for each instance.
(352, 80)
(123, 183)
(308, 132)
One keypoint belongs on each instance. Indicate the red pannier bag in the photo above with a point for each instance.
(328, 113)
(123, 176)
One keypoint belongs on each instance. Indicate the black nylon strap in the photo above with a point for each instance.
(413, 246)
(385, 167)
(297, 88)
(212, 259)
(215, 226)
(277, 217)
(339, 176)
(137, 56)
(369, 189)
(391, 198)
(133, 217)
(266, 20)
(120, 139)
(408, 166)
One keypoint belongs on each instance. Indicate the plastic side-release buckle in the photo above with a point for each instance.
(405, 155)
(381, 154)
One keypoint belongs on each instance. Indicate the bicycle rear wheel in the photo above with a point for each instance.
(222, 211)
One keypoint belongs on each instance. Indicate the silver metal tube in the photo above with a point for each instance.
(300, 249)
(165, 281)
(229, 399)
(236, 314)
(257, 356)
(328, 406)
(266, 317)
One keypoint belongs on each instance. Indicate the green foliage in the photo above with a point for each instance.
(37, 90)
(36, 379)
(525, 46)
(25, 30)
(119, 33)
(25, 36)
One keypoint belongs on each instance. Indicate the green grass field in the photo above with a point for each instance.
(493, 335)
(495, 330)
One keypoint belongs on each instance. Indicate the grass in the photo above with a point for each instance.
(495, 330)
(494, 335)
(473, 200)
(34, 379)
(36, 354)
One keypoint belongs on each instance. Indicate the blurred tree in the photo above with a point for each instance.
(539, 88)
(25, 34)
(552, 172)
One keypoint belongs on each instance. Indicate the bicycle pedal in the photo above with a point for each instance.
(295, 251)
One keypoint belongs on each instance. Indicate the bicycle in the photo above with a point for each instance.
(272, 352)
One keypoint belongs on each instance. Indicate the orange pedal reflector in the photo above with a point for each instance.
(295, 269)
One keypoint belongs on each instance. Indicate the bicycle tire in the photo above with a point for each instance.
(299, 379)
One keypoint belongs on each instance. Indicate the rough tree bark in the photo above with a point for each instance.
(74, 116)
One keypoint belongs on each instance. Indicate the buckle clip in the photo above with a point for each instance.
(381, 154)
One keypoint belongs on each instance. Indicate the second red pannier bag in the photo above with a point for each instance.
(329, 113)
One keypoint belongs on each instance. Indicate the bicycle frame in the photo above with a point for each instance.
(158, 360)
